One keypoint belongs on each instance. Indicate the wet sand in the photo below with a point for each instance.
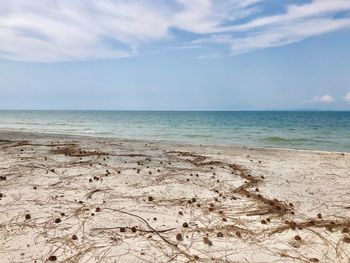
(81, 199)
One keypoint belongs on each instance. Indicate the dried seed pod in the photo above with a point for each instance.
(207, 241)
(329, 228)
(179, 237)
(297, 238)
(52, 258)
(313, 260)
(238, 234)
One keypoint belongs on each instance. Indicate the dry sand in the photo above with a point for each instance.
(79, 199)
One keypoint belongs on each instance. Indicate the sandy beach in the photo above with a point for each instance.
(84, 199)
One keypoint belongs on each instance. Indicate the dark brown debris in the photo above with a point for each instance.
(220, 234)
(297, 238)
(52, 258)
(207, 241)
(179, 237)
(313, 260)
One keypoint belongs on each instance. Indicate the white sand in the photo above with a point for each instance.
(223, 193)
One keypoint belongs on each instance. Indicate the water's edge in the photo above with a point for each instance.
(27, 135)
(327, 131)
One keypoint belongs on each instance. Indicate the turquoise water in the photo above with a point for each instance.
(301, 130)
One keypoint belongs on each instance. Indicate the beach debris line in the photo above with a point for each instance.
(95, 199)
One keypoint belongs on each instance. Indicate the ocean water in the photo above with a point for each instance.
(299, 130)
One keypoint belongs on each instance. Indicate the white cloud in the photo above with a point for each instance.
(283, 34)
(314, 9)
(47, 30)
(326, 99)
(297, 23)
(207, 16)
(347, 97)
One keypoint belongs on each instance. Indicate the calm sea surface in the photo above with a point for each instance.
(301, 130)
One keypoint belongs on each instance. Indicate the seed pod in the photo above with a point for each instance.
(179, 237)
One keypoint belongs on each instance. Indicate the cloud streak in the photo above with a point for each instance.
(63, 30)
(325, 99)
(347, 97)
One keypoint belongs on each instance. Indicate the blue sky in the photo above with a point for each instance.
(175, 54)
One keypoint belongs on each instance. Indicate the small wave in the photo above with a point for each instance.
(197, 136)
(278, 139)
(296, 141)
(24, 123)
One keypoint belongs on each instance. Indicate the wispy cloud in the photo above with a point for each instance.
(297, 23)
(347, 97)
(325, 99)
(46, 30)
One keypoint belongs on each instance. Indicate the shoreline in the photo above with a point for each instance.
(170, 142)
(90, 199)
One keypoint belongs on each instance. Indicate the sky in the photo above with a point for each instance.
(175, 54)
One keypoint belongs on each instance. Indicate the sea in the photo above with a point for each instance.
(316, 130)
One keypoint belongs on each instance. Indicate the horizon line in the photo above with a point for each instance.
(184, 110)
